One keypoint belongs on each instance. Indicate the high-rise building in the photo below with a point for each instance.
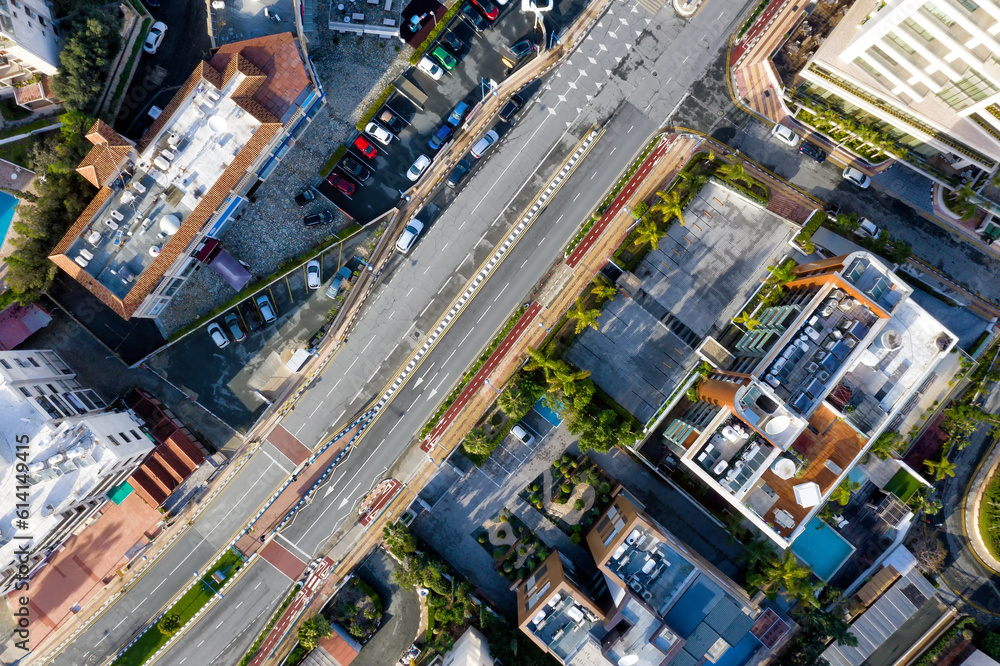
(60, 455)
(29, 51)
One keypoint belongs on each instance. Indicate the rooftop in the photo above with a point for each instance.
(650, 568)
(563, 624)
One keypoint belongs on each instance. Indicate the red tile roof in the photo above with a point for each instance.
(277, 56)
(105, 159)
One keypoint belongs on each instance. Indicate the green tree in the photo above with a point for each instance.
(477, 443)
(756, 552)
(842, 494)
(647, 233)
(604, 291)
(522, 392)
(886, 445)
(846, 222)
(399, 539)
(941, 469)
(735, 170)
(783, 573)
(670, 204)
(169, 624)
(692, 179)
(963, 200)
(92, 42)
(990, 644)
(961, 420)
(747, 320)
(312, 630)
(585, 318)
(599, 430)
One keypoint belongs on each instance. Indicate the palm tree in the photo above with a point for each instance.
(747, 320)
(756, 552)
(565, 379)
(584, 318)
(785, 573)
(886, 445)
(941, 469)
(963, 200)
(604, 291)
(671, 205)
(733, 171)
(647, 232)
(842, 494)
(539, 361)
(692, 181)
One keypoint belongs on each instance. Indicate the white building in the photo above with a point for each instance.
(29, 48)
(60, 454)
(471, 649)
(925, 73)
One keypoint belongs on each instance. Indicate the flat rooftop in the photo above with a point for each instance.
(650, 567)
(563, 624)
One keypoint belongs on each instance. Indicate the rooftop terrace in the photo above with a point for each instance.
(650, 568)
(563, 624)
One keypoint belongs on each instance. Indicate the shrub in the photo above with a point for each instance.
(501, 534)
(169, 625)
(575, 538)
(312, 630)
(508, 567)
(499, 554)
(566, 488)
(534, 498)
(522, 550)
(579, 505)
(534, 488)
(503, 518)
(482, 538)
(604, 488)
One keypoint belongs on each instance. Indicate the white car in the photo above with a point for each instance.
(418, 168)
(218, 336)
(857, 177)
(154, 37)
(379, 133)
(266, 309)
(409, 235)
(522, 434)
(484, 144)
(785, 135)
(427, 66)
(867, 228)
(313, 274)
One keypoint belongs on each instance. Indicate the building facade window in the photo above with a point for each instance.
(915, 27)
(933, 10)
(969, 4)
(963, 94)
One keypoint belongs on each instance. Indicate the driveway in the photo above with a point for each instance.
(400, 612)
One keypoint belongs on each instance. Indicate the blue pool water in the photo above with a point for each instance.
(821, 548)
(739, 654)
(7, 205)
(547, 414)
(857, 475)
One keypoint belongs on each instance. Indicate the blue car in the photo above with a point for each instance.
(338, 282)
(440, 137)
(455, 119)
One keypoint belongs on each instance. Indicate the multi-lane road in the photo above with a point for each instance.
(635, 66)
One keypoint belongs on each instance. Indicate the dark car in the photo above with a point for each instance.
(305, 196)
(813, 151)
(322, 217)
(474, 18)
(523, 48)
(440, 137)
(489, 10)
(389, 119)
(252, 319)
(453, 43)
(355, 168)
(341, 184)
(832, 210)
(510, 109)
(459, 173)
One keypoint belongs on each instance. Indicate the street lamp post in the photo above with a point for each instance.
(545, 327)
(487, 380)
(209, 585)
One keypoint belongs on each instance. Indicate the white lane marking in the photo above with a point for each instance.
(560, 217)
(525, 262)
(120, 623)
(285, 539)
(577, 196)
(465, 338)
(375, 335)
(220, 624)
(630, 129)
(427, 269)
(612, 151)
(445, 246)
(408, 293)
(352, 363)
(504, 288)
(271, 458)
(446, 283)
(483, 315)
(258, 584)
(334, 388)
(425, 308)
(449, 356)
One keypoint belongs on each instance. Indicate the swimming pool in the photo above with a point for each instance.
(821, 548)
(548, 414)
(7, 205)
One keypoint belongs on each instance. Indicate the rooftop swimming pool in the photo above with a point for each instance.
(7, 205)
(822, 548)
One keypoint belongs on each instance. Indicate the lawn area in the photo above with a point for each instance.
(903, 485)
(18, 151)
(186, 607)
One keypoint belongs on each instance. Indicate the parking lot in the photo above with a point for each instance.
(481, 57)
(512, 452)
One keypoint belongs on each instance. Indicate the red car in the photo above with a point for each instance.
(342, 184)
(488, 9)
(366, 148)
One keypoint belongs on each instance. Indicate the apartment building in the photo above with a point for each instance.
(57, 440)
(793, 402)
(29, 51)
(163, 202)
(657, 601)
(926, 73)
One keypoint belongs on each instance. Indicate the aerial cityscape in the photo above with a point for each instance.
(500, 332)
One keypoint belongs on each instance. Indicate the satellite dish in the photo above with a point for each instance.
(170, 224)
(629, 660)
(891, 340)
(218, 124)
(155, 251)
(777, 425)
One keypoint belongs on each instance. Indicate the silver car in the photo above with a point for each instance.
(484, 144)
(218, 335)
(267, 311)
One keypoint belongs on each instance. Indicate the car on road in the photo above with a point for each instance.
(813, 151)
(522, 434)
(427, 66)
(340, 183)
(446, 59)
(322, 217)
(379, 133)
(510, 109)
(235, 330)
(489, 10)
(475, 19)
(338, 282)
(440, 137)
(484, 144)
(266, 308)
(453, 43)
(366, 147)
(305, 196)
(419, 166)
(832, 210)
(523, 48)
(858, 177)
(460, 171)
(218, 336)
(391, 119)
(785, 135)
(455, 117)
(409, 236)
(154, 37)
(867, 228)
(313, 277)
(355, 168)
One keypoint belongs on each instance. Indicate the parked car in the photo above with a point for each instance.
(379, 133)
(832, 210)
(322, 217)
(813, 151)
(235, 330)
(454, 44)
(484, 144)
(305, 196)
(785, 135)
(446, 59)
(523, 48)
(427, 66)
(218, 336)
(266, 308)
(867, 228)
(858, 177)
(338, 282)
(340, 183)
(475, 19)
(440, 137)
(355, 168)
(489, 10)
(510, 109)
(409, 236)
(313, 277)
(366, 147)
(460, 171)
(252, 318)
(418, 168)
(154, 37)
(390, 119)
(455, 118)
(521, 433)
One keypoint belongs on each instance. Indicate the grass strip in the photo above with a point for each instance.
(374, 107)
(753, 17)
(435, 31)
(332, 162)
(252, 652)
(30, 127)
(628, 174)
(132, 59)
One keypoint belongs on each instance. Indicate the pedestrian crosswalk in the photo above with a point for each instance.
(651, 6)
